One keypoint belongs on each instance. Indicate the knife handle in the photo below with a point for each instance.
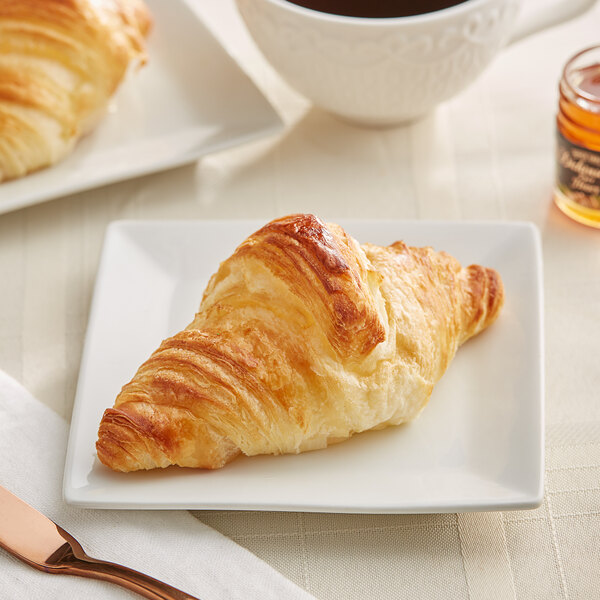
(125, 577)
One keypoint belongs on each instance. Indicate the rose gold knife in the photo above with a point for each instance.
(39, 542)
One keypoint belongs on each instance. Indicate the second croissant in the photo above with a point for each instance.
(60, 63)
(303, 338)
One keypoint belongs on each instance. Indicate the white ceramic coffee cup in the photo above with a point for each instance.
(388, 71)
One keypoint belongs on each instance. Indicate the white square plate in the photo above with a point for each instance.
(189, 100)
(477, 446)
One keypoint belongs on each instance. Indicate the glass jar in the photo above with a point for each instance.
(577, 188)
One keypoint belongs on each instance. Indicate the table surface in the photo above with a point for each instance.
(487, 154)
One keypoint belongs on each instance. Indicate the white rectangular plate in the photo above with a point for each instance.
(478, 445)
(189, 100)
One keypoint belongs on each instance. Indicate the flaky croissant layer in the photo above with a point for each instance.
(303, 338)
(60, 62)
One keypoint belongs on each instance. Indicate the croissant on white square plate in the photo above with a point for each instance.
(303, 337)
(60, 62)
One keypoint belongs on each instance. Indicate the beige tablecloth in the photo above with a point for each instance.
(488, 154)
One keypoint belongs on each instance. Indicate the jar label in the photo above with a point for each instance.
(578, 173)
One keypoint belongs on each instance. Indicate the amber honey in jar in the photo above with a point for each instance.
(577, 189)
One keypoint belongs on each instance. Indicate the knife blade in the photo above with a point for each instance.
(36, 540)
(26, 533)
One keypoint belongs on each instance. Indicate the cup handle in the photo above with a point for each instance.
(551, 14)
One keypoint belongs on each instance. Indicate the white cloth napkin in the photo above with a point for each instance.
(172, 546)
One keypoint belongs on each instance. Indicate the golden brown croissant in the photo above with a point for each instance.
(303, 338)
(60, 61)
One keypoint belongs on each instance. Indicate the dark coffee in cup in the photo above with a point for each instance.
(377, 8)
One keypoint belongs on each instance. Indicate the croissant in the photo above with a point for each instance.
(303, 338)
(60, 61)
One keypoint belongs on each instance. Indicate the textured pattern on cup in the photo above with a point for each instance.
(384, 70)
